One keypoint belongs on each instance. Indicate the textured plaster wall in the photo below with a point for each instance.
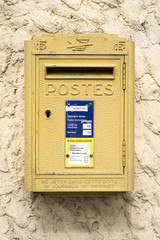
(135, 215)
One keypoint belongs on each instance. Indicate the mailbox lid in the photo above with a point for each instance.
(107, 95)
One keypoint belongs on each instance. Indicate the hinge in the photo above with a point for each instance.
(124, 153)
(124, 76)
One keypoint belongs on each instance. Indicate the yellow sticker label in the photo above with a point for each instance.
(79, 152)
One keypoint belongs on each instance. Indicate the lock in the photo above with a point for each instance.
(79, 114)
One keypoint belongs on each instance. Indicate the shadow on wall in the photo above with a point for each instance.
(89, 218)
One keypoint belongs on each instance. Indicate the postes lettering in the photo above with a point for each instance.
(75, 89)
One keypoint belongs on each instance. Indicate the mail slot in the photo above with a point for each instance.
(79, 114)
(80, 72)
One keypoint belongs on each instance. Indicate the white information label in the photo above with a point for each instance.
(87, 132)
(87, 126)
(79, 153)
(77, 108)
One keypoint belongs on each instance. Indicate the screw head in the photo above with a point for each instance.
(67, 155)
(91, 155)
(90, 104)
(68, 104)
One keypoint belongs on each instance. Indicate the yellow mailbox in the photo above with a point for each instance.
(79, 107)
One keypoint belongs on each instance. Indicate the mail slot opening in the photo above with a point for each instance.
(59, 72)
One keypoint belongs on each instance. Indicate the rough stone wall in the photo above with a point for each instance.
(134, 215)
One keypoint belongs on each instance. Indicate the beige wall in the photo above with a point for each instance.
(134, 215)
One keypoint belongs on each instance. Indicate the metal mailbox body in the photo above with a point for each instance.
(79, 114)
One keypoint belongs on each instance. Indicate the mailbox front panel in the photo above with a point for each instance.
(78, 125)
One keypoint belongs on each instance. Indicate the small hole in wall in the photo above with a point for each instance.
(48, 113)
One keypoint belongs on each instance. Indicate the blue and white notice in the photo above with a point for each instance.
(79, 119)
